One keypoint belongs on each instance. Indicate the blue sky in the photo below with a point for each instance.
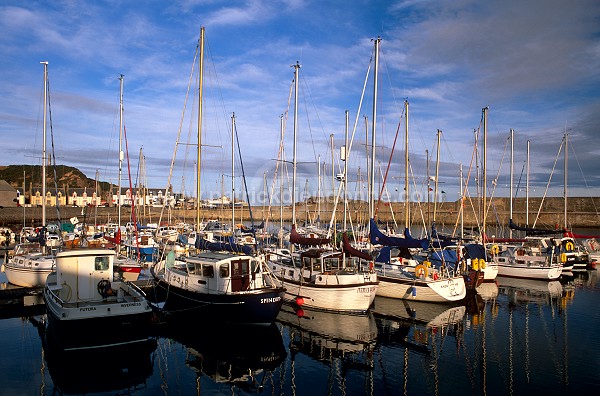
(536, 64)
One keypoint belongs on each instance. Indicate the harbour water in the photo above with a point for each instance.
(515, 337)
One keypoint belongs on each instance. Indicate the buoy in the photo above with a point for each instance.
(300, 312)
(299, 301)
(475, 264)
(414, 291)
(563, 257)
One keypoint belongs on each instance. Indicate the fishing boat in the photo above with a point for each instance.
(223, 287)
(30, 264)
(317, 277)
(83, 301)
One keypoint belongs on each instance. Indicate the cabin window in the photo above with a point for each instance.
(291, 273)
(255, 266)
(224, 271)
(101, 263)
(208, 271)
(331, 263)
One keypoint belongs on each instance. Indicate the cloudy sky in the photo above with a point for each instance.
(535, 63)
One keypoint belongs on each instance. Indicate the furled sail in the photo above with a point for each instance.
(306, 241)
(378, 238)
(352, 251)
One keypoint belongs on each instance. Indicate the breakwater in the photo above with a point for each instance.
(582, 212)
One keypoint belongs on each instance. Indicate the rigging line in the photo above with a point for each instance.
(244, 180)
(53, 159)
(133, 196)
(307, 117)
(388, 166)
(584, 179)
(548, 184)
(187, 94)
(495, 182)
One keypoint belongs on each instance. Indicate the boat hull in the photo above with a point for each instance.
(440, 290)
(257, 307)
(543, 272)
(29, 271)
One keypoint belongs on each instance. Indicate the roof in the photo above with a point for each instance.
(4, 186)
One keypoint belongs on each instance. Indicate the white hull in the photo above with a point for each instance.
(490, 272)
(29, 270)
(528, 269)
(340, 292)
(428, 290)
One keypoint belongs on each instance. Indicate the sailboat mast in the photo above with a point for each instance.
(121, 155)
(232, 174)
(345, 180)
(296, 73)
(565, 176)
(485, 110)
(199, 148)
(437, 172)
(45, 63)
(512, 153)
(373, 131)
(527, 190)
(406, 186)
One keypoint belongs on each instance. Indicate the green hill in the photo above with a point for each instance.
(68, 176)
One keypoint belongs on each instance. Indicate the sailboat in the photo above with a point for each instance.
(319, 278)
(539, 257)
(126, 267)
(223, 287)
(405, 278)
(30, 263)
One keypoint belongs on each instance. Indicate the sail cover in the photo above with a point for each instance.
(378, 238)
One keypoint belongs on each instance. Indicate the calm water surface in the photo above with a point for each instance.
(513, 338)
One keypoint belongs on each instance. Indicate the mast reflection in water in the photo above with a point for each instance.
(513, 337)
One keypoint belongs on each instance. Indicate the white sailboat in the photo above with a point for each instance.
(125, 267)
(321, 279)
(405, 279)
(29, 264)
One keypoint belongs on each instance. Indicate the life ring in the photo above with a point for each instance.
(520, 252)
(104, 288)
(563, 257)
(481, 264)
(569, 246)
(495, 250)
(421, 271)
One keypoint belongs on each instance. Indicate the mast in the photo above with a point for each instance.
(406, 186)
(565, 177)
(373, 131)
(281, 186)
(232, 174)
(437, 171)
(512, 153)
(199, 148)
(485, 110)
(296, 73)
(527, 190)
(121, 154)
(462, 203)
(45, 63)
(344, 158)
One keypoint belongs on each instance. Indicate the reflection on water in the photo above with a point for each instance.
(106, 368)
(512, 337)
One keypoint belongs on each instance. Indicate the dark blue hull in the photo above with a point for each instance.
(260, 307)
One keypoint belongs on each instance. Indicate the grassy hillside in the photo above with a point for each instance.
(67, 176)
